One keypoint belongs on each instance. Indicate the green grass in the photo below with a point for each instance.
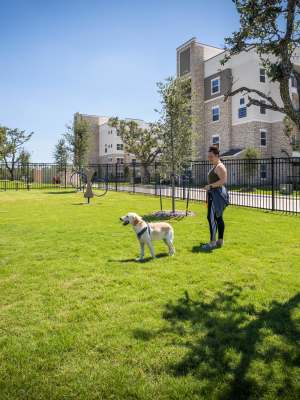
(80, 320)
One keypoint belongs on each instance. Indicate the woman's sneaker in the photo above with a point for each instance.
(219, 243)
(209, 246)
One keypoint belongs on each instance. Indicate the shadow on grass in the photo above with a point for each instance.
(155, 218)
(63, 192)
(199, 249)
(145, 260)
(234, 351)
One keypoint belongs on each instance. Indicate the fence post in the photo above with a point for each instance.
(272, 183)
(107, 176)
(65, 176)
(133, 176)
(27, 177)
(116, 177)
(155, 178)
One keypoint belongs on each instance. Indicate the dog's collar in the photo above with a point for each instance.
(140, 234)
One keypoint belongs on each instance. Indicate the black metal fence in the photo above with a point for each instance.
(271, 183)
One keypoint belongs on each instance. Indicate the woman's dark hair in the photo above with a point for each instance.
(214, 150)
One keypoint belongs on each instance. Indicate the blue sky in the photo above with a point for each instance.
(95, 57)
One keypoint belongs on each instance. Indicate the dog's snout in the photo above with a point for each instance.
(121, 219)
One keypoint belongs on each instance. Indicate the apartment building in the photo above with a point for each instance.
(230, 124)
(106, 146)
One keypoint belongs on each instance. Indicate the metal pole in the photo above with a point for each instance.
(27, 177)
(107, 175)
(160, 198)
(65, 176)
(116, 177)
(155, 179)
(133, 176)
(188, 198)
(272, 182)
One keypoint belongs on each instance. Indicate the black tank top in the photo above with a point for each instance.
(212, 176)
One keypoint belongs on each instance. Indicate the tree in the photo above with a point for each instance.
(12, 151)
(175, 125)
(292, 133)
(142, 142)
(271, 27)
(251, 156)
(24, 160)
(2, 140)
(77, 138)
(61, 155)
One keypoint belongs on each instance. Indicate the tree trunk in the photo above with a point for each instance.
(146, 174)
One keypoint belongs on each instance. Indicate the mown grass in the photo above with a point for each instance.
(79, 319)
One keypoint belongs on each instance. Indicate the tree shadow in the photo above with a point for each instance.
(63, 192)
(155, 218)
(234, 350)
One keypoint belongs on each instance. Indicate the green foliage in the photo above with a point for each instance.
(142, 142)
(176, 126)
(2, 140)
(252, 155)
(24, 160)
(175, 122)
(12, 150)
(61, 154)
(271, 27)
(77, 139)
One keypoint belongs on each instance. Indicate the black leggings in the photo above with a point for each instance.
(215, 223)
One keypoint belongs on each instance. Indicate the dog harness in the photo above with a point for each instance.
(140, 234)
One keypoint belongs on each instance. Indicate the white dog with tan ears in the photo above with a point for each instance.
(146, 233)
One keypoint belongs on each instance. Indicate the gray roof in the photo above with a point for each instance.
(231, 152)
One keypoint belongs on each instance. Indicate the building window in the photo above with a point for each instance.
(120, 160)
(293, 81)
(215, 113)
(263, 109)
(263, 171)
(185, 62)
(243, 109)
(216, 141)
(263, 137)
(215, 86)
(262, 75)
(119, 146)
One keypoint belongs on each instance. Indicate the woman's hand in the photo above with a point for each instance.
(206, 187)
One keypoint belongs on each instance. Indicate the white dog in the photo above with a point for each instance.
(146, 233)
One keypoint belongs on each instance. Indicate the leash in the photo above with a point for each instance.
(140, 234)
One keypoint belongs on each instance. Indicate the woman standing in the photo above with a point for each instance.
(217, 199)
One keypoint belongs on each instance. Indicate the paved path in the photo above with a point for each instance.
(264, 201)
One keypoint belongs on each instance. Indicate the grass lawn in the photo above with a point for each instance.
(79, 319)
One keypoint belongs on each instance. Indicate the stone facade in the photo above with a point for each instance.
(249, 135)
(222, 127)
(196, 74)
